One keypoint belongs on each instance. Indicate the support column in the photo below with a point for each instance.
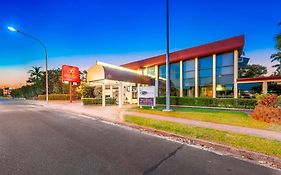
(235, 90)
(214, 75)
(264, 87)
(111, 91)
(120, 94)
(181, 79)
(145, 71)
(103, 95)
(196, 78)
(138, 93)
(131, 95)
(156, 80)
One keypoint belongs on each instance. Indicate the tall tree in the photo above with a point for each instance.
(35, 75)
(278, 39)
(253, 70)
(276, 57)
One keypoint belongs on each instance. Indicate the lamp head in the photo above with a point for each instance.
(13, 29)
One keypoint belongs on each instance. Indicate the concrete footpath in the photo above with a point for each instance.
(113, 113)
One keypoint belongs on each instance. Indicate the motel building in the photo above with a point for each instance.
(209, 70)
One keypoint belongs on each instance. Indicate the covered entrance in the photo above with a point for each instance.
(117, 82)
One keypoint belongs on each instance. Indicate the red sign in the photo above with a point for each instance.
(70, 73)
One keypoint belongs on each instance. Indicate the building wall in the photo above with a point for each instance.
(210, 76)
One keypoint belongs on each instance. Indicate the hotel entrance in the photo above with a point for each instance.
(117, 82)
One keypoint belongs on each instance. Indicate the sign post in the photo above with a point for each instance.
(70, 74)
(146, 96)
(70, 92)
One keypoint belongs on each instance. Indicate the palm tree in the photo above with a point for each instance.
(277, 56)
(34, 77)
(278, 39)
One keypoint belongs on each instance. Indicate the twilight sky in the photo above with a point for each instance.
(80, 32)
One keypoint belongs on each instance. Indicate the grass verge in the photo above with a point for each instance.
(235, 118)
(251, 143)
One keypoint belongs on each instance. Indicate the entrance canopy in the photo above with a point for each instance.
(104, 71)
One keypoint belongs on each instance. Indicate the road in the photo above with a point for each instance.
(37, 140)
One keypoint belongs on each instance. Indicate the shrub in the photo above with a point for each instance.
(261, 96)
(58, 97)
(86, 90)
(95, 101)
(267, 114)
(210, 102)
(271, 100)
(267, 109)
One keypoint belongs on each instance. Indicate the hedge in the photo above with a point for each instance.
(93, 101)
(58, 97)
(210, 102)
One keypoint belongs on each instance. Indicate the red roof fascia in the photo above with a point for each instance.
(265, 78)
(221, 46)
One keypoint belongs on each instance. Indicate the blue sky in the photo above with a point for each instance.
(82, 32)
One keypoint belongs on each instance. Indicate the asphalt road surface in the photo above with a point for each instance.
(37, 140)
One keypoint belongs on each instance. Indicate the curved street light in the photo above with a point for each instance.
(46, 56)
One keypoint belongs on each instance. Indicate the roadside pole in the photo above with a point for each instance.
(70, 92)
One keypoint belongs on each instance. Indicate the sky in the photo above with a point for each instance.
(81, 32)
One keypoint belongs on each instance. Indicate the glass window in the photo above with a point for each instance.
(226, 59)
(189, 82)
(249, 90)
(205, 76)
(206, 63)
(175, 79)
(162, 80)
(225, 79)
(190, 74)
(189, 78)
(189, 65)
(225, 70)
(206, 73)
(225, 75)
(274, 88)
(151, 71)
(162, 71)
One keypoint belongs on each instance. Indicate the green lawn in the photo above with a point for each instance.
(251, 143)
(215, 116)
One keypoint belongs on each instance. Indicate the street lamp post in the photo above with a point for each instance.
(168, 108)
(46, 56)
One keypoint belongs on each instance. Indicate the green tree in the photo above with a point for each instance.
(276, 57)
(278, 39)
(253, 70)
(1, 92)
(35, 75)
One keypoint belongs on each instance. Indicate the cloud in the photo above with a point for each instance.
(262, 57)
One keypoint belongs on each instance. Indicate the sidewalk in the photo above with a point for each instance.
(113, 113)
(109, 112)
(223, 127)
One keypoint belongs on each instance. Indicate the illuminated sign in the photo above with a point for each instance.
(70, 73)
(147, 96)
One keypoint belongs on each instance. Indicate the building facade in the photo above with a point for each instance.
(209, 70)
